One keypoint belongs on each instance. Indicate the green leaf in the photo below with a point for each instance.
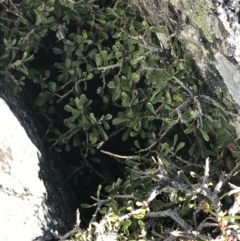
(136, 143)
(85, 205)
(155, 98)
(126, 224)
(98, 60)
(180, 146)
(105, 56)
(177, 98)
(47, 73)
(126, 134)
(57, 51)
(119, 120)
(112, 12)
(137, 127)
(151, 118)
(102, 21)
(175, 140)
(190, 129)
(103, 133)
(39, 101)
(5, 42)
(131, 122)
(25, 21)
(168, 97)
(105, 35)
(67, 147)
(205, 135)
(191, 150)
(209, 118)
(90, 76)
(67, 63)
(93, 140)
(92, 118)
(71, 71)
(117, 35)
(13, 55)
(140, 215)
(111, 85)
(71, 126)
(98, 191)
(69, 108)
(106, 125)
(171, 121)
(52, 86)
(108, 117)
(151, 108)
(158, 29)
(135, 77)
(23, 70)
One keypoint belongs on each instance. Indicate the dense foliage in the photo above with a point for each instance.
(100, 75)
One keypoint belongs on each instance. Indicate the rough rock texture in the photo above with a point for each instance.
(34, 198)
(210, 31)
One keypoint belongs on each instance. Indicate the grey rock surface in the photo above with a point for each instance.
(210, 31)
(207, 29)
(34, 199)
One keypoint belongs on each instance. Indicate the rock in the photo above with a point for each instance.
(35, 201)
(210, 31)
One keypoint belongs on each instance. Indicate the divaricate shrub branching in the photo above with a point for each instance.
(101, 74)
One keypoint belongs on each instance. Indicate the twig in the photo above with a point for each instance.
(99, 145)
(196, 100)
(99, 204)
(123, 157)
(184, 86)
(156, 142)
(75, 230)
(180, 108)
(206, 172)
(236, 205)
(73, 172)
(215, 103)
(118, 65)
(173, 214)
(149, 47)
(87, 162)
(153, 69)
(63, 96)
(230, 175)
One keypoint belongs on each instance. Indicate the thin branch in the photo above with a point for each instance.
(87, 162)
(173, 214)
(216, 104)
(118, 65)
(123, 157)
(184, 86)
(206, 172)
(153, 69)
(99, 145)
(230, 175)
(61, 97)
(149, 47)
(156, 142)
(180, 108)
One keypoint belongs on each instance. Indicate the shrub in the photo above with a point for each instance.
(106, 75)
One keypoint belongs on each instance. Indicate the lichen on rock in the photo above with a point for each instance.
(200, 12)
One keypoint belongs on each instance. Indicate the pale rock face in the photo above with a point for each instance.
(21, 191)
(230, 74)
(26, 211)
(229, 14)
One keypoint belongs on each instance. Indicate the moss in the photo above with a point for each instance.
(200, 17)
